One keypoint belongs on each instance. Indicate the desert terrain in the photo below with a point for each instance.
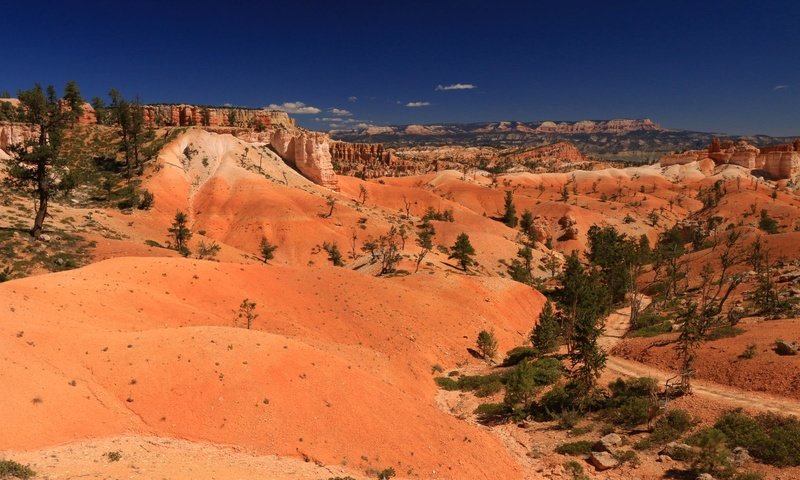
(134, 344)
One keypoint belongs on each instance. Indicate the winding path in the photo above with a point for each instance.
(618, 323)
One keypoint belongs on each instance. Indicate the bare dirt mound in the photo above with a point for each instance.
(337, 367)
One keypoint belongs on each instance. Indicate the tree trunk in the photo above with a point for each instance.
(42, 188)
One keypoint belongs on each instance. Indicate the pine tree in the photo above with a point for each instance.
(181, 233)
(267, 249)
(487, 345)
(526, 224)
(424, 242)
(545, 334)
(35, 163)
(463, 251)
(510, 215)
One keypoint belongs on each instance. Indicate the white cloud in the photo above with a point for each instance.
(340, 111)
(417, 104)
(352, 99)
(294, 107)
(227, 104)
(456, 86)
(780, 87)
(363, 125)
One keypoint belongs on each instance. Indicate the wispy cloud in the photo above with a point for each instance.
(294, 107)
(417, 104)
(780, 87)
(352, 99)
(455, 86)
(340, 111)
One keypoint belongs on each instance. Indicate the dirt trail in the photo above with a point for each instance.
(618, 323)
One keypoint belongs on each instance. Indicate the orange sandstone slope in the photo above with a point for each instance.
(336, 368)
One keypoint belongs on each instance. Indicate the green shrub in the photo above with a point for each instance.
(447, 383)
(492, 409)
(581, 447)
(575, 469)
(489, 389)
(386, 473)
(10, 468)
(671, 426)
(518, 354)
(726, 331)
(630, 401)
(748, 476)
(712, 456)
(652, 330)
(568, 419)
(146, 201)
(628, 456)
(748, 352)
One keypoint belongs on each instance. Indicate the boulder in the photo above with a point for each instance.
(603, 461)
(677, 450)
(786, 348)
(705, 476)
(608, 443)
(740, 456)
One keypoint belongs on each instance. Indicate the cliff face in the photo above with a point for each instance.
(606, 126)
(778, 161)
(309, 152)
(561, 151)
(366, 160)
(15, 133)
(193, 115)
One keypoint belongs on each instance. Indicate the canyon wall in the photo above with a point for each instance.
(14, 133)
(193, 115)
(779, 162)
(368, 160)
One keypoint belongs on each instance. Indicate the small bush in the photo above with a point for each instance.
(492, 409)
(726, 331)
(447, 383)
(652, 330)
(10, 468)
(518, 354)
(713, 456)
(114, 456)
(581, 447)
(630, 401)
(568, 419)
(748, 352)
(671, 426)
(770, 438)
(628, 456)
(386, 474)
(575, 469)
(146, 201)
(748, 476)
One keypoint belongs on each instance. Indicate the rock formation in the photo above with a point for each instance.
(194, 115)
(15, 133)
(563, 152)
(777, 161)
(309, 152)
(606, 126)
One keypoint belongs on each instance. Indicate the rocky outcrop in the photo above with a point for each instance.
(309, 152)
(570, 226)
(605, 126)
(15, 133)
(777, 161)
(194, 115)
(369, 160)
(563, 152)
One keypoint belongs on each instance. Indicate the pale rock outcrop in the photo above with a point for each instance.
(193, 115)
(15, 133)
(780, 162)
(309, 152)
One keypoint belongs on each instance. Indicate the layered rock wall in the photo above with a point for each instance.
(15, 133)
(778, 161)
(193, 115)
(367, 160)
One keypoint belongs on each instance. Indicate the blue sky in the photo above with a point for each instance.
(702, 65)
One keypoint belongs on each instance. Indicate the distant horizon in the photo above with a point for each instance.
(712, 66)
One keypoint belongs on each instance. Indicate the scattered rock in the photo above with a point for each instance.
(705, 476)
(740, 456)
(603, 460)
(607, 443)
(44, 237)
(663, 459)
(786, 348)
(676, 450)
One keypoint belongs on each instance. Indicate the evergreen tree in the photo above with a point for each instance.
(510, 215)
(487, 345)
(527, 226)
(424, 242)
(73, 101)
(463, 251)
(181, 233)
(267, 249)
(545, 334)
(36, 162)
